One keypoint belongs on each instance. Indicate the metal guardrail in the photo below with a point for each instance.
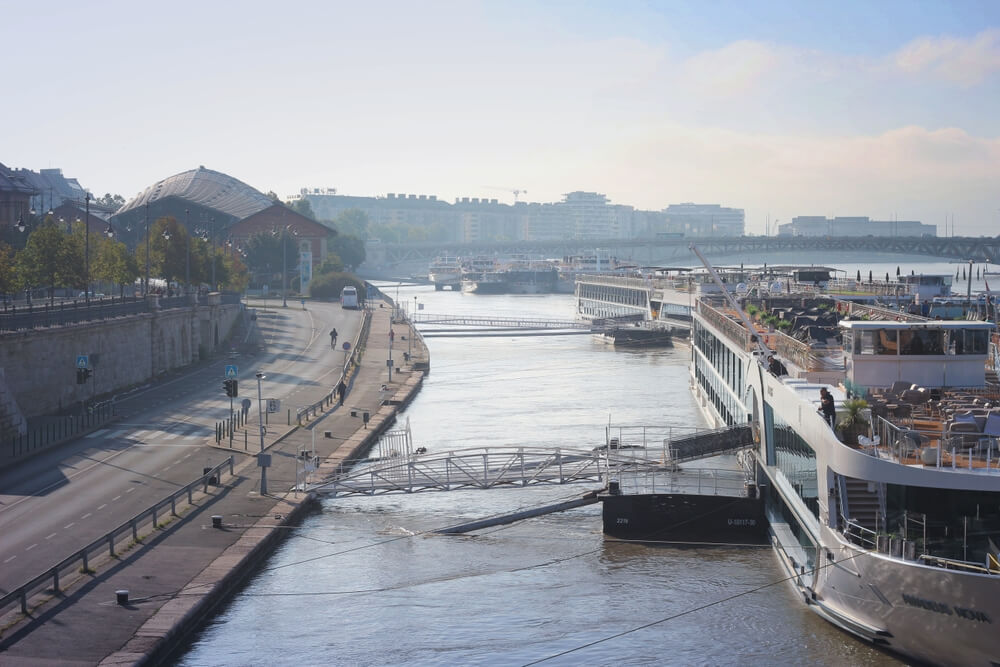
(32, 586)
(352, 362)
(53, 430)
(13, 318)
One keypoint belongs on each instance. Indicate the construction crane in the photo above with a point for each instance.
(514, 191)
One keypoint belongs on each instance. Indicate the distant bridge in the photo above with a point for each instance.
(498, 323)
(644, 250)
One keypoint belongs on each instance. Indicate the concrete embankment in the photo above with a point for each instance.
(180, 575)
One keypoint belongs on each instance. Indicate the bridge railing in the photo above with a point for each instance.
(49, 578)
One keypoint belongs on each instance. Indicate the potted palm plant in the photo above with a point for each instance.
(854, 422)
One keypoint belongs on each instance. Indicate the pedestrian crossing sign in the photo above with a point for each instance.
(232, 371)
(82, 361)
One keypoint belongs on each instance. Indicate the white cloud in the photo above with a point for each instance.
(731, 70)
(964, 61)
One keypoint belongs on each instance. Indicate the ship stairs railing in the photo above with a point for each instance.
(481, 468)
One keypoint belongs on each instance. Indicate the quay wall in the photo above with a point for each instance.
(40, 364)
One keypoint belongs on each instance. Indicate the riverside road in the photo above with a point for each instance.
(61, 499)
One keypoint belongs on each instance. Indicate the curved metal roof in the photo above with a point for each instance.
(205, 187)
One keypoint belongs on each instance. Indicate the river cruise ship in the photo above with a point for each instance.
(887, 521)
(445, 271)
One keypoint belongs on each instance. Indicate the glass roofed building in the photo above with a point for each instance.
(198, 199)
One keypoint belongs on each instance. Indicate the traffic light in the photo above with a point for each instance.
(231, 388)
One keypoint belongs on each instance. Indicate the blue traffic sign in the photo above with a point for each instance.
(82, 361)
(346, 345)
(232, 371)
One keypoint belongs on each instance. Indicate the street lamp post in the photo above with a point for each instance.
(260, 426)
(284, 267)
(213, 253)
(187, 260)
(86, 252)
(146, 289)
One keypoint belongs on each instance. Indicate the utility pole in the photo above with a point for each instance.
(146, 291)
(86, 252)
(187, 260)
(260, 425)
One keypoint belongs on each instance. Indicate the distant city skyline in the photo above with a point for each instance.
(882, 109)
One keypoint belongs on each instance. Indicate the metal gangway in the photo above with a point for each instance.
(482, 468)
(497, 323)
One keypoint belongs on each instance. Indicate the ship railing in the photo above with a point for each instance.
(700, 481)
(854, 310)
(642, 439)
(725, 324)
(952, 564)
(875, 287)
(933, 449)
(857, 534)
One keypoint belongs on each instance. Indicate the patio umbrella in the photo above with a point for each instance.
(897, 271)
(869, 276)
(859, 275)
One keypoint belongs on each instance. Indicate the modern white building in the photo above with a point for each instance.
(818, 225)
(704, 220)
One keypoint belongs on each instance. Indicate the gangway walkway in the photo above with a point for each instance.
(499, 322)
(710, 443)
(483, 468)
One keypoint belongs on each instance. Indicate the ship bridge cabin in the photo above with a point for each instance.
(929, 354)
(927, 286)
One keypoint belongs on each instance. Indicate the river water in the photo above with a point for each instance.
(364, 583)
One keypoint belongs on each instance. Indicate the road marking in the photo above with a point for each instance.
(115, 498)
(31, 547)
(97, 434)
(69, 525)
(102, 507)
(86, 515)
(49, 537)
(9, 559)
(170, 436)
(130, 489)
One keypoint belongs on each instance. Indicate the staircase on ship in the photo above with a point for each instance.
(862, 503)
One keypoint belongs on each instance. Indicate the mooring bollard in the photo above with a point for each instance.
(216, 521)
(121, 596)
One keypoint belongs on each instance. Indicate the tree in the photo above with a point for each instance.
(350, 249)
(264, 252)
(115, 264)
(7, 272)
(51, 258)
(303, 207)
(354, 222)
(110, 201)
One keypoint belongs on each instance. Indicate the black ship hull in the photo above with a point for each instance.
(685, 518)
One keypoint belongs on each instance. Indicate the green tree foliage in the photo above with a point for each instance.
(329, 285)
(353, 222)
(8, 283)
(110, 201)
(303, 207)
(264, 253)
(349, 249)
(114, 264)
(51, 258)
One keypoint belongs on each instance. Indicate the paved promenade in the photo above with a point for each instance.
(181, 573)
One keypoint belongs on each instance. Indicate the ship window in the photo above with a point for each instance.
(921, 341)
(970, 341)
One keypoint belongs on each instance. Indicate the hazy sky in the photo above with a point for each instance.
(881, 108)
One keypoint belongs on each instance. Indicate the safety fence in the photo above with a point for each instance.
(350, 365)
(46, 431)
(81, 559)
(14, 318)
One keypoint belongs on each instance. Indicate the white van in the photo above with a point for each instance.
(349, 297)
